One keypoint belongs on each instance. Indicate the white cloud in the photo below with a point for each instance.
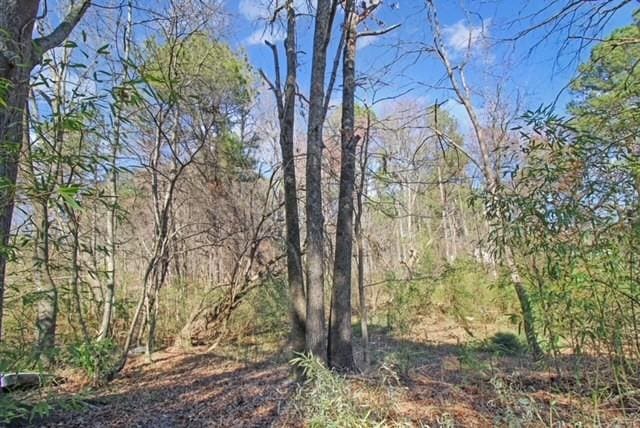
(462, 37)
(253, 10)
(259, 36)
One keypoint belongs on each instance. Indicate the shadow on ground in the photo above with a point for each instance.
(437, 381)
(192, 390)
(448, 379)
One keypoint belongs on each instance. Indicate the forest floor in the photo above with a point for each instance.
(434, 378)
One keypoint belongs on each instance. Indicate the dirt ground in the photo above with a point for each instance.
(430, 379)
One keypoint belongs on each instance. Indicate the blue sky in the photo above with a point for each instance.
(537, 75)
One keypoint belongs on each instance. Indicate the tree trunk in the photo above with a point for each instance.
(459, 85)
(315, 334)
(525, 305)
(109, 296)
(47, 307)
(361, 192)
(16, 26)
(340, 334)
(445, 223)
(111, 220)
(75, 272)
(295, 273)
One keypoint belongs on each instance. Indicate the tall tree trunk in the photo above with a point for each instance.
(445, 223)
(47, 294)
(295, 273)
(340, 334)
(75, 271)
(19, 53)
(109, 294)
(315, 333)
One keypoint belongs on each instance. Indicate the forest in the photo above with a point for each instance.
(319, 213)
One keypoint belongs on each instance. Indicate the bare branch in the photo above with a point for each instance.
(378, 32)
(62, 31)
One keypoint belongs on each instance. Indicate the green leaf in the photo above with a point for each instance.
(69, 194)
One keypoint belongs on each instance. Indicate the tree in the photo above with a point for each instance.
(340, 347)
(315, 334)
(19, 54)
(193, 86)
(607, 89)
(285, 101)
(116, 142)
(457, 78)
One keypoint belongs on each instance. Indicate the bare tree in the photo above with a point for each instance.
(285, 101)
(457, 78)
(340, 347)
(111, 219)
(315, 334)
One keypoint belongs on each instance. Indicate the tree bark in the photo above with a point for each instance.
(445, 222)
(47, 307)
(16, 25)
(294, 253)
(315, 334)
(340, 345)
(109, 295)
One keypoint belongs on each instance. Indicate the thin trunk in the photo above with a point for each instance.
(75, 272)
(340, 334)
(47, 307)
(463, 220)
(295, 274)
(459, 85)
(525, 303)
(109, 296)
(361, 192)
(445, 224)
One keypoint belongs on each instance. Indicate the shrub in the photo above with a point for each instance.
(466, 290)
(408, 299)
(13, 407)
(96, 358)
(325, 399)
(504, 343)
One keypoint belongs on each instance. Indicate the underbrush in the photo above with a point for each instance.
(24, 405)
(326, 399)
(463, 290)
(96, 358)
